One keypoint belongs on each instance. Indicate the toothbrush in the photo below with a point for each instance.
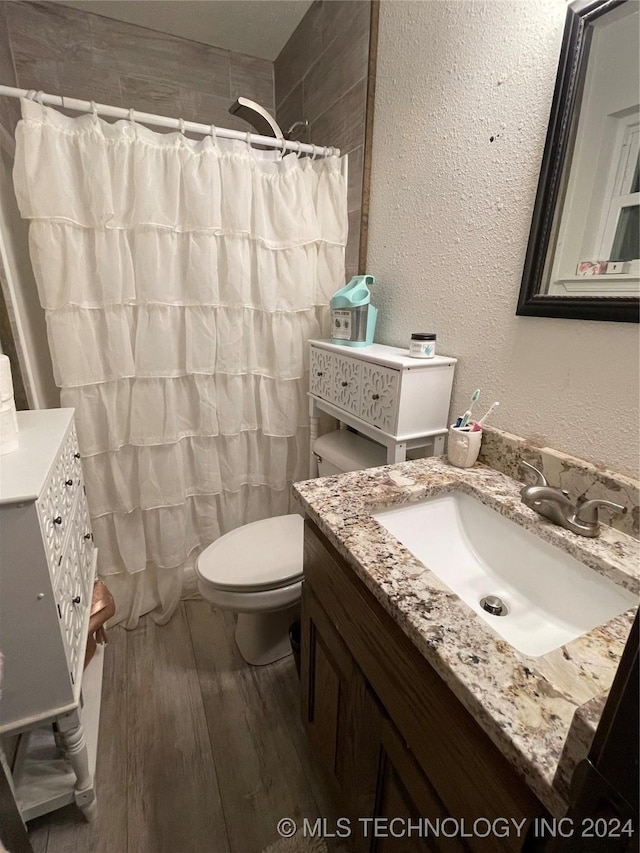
(467, 414)
(478, 424)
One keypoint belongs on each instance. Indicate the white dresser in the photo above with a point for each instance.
(47, 571)
(399, 401)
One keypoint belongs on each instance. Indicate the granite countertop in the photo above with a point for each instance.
(525, 705)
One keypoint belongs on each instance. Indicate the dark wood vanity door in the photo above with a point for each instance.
(369, 768)
(341, 715)
(405, 793)
(326, 670)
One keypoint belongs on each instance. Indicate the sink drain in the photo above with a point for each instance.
(494, 605)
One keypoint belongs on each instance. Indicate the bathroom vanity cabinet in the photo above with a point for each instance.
(399, 401)
(47, 574)
(391, 738)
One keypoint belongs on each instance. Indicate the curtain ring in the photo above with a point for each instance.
(299, 149)
(31, 94)
(38, 97)
(94, 110)
(314, 154)
(284, 148)
(181, 126)
(132, 121)
(214, 134)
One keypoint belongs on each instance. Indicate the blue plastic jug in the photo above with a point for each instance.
(353, 318)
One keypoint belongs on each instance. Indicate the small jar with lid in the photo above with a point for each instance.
(422, 345)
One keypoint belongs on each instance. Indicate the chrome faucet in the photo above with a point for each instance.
(555, 505)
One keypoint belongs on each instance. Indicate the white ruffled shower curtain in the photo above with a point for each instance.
(181, 280)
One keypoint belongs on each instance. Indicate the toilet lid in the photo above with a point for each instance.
(265, 554)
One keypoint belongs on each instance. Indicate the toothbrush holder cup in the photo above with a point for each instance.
(463, 447)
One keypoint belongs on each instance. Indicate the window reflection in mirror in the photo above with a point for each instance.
(596, 233)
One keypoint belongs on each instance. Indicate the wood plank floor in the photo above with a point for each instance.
(198, 752)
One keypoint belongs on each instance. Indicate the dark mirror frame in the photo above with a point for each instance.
(558, 147)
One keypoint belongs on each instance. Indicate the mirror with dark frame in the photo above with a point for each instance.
(583, 257)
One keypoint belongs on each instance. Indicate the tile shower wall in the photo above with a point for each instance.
(72, 52)
(9, 109)
(321, 75)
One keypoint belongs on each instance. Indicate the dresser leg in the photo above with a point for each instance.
(396, 452)
(72, 735)
(313, 435)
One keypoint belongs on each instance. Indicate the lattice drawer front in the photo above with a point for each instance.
(67, 470)
(346, 384)
(321, 381)
(56, 499)
(379, 396)
(72, 600)
(84, 540)
(80, 539)
(53, 520)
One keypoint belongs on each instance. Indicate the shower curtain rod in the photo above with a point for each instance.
(163, 121)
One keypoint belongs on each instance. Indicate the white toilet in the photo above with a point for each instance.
(256, 570)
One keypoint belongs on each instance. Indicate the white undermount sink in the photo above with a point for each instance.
(550, 597)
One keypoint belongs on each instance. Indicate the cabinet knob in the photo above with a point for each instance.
(76, 600)
(87, 536)
(320, 373)
(57, 519)
(344, 384)
(375, 396)
(76, 456)
(68, 482)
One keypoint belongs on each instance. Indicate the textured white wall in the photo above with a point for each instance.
(450, 217)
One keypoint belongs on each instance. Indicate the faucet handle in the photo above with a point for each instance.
(541, 481)
(588, 511)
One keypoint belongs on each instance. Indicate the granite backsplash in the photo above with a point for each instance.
(503, 452)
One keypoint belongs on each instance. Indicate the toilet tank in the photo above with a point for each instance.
(343, 450)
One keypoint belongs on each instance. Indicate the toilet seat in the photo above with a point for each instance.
(256, 571)
(263, 555)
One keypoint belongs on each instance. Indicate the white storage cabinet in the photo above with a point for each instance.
(399, 401)
(47, 572)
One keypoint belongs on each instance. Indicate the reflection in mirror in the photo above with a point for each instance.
(583, 258)
(598, 243)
